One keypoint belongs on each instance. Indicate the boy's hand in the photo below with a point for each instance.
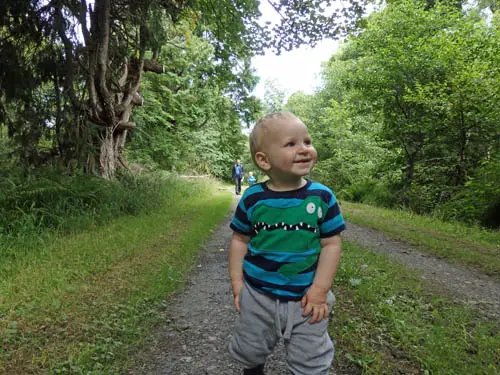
(237, 286)
(315, 304)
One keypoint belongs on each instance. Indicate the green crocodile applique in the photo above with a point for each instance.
(292, 229)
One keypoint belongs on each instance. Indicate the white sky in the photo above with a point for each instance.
(297, 70)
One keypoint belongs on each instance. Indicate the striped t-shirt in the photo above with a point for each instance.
(285, 228)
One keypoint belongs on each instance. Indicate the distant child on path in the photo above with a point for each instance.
(284, 253)
(237, 172)
(251, 179)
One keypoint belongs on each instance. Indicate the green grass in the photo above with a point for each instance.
(80, 303)
(389, 321)
(458, 243)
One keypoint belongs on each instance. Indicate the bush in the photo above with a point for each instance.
(52, 200)
(379, 194)
(479, 201)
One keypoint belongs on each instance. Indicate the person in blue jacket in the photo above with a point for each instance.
(238, 172)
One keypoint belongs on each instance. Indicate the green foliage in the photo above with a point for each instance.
(479, 201)
(429, 72)
(187, 123)
(274, 96)
(409, 110)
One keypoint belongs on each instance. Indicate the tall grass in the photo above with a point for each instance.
(49, 201)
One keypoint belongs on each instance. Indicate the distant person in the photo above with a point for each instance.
(238, 173)
(284, 254)
(251, 179)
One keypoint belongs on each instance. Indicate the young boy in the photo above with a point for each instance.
(251, 179)
(284, 253)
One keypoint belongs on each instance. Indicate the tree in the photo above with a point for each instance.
(274, 96)
(188, 122)
(426, 70)
(95, 53)
(415, 95)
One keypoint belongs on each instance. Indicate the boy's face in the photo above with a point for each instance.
(287, 149)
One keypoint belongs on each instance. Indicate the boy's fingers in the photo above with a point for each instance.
(307, 310)
(237, 302)
(316, 314)
(303, 301)
(319, 313)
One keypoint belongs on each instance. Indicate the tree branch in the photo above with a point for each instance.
(102, 9)
(153, 66)
(68, 49)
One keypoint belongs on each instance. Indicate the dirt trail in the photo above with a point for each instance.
(198, 323)
(465, 285)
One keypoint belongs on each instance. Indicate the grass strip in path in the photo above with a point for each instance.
(389, 321)
(455, 242)
(85, 302)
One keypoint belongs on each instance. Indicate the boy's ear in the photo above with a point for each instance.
(262, 161)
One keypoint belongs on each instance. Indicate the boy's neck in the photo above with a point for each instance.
(277, 185)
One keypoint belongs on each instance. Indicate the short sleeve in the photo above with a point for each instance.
(241, 222)
(333, 222)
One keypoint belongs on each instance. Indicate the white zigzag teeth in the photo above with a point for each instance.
(268, 227)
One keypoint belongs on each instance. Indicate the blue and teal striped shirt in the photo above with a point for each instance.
(285, 228)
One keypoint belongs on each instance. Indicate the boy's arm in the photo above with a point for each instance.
(329, 260)
(237, 251)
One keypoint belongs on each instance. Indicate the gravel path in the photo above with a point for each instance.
(465, 285)
(199, 322)
(193, 340)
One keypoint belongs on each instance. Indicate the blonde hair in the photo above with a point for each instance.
(263, 125)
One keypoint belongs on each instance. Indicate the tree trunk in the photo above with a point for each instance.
(111, 152)
(112, 89)
(107, 158)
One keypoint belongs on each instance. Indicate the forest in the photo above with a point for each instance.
(407, 115)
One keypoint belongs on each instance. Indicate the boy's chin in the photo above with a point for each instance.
(303, 172)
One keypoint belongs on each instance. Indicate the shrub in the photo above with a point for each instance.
(52, 200)
(479, 201)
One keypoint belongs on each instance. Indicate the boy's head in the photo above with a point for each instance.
(281, 146)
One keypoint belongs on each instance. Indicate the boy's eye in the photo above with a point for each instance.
(308, 142)
(290, 144)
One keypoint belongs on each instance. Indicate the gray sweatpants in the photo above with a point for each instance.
(263, 321)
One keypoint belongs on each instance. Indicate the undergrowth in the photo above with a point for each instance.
(31, 207)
